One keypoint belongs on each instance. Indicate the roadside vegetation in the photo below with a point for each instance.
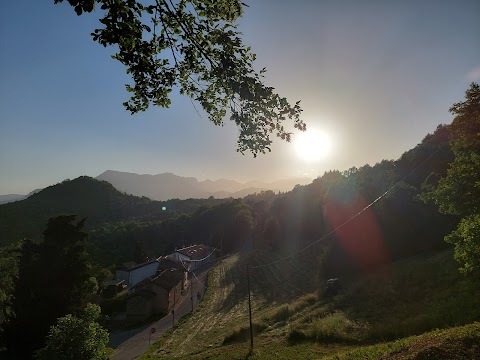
(410, 297)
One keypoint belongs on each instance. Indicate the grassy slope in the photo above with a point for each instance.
(410, 297)
(458, 343)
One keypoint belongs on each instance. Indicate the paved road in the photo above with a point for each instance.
(131, 344)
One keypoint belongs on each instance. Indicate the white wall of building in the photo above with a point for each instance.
(135, 275)
(143, 272)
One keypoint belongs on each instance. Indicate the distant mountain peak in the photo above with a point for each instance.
(167, 185)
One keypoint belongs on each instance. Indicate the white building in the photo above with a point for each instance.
(194, 256)
(133, 275)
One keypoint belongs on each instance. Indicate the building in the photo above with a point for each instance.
(113, 288)
(154, 295)
(132, 275)
(165, 263)
(194, 256)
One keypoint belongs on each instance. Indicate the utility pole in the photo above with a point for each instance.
(249, 308)
(173, 310)
(191, 290)
(221, 244)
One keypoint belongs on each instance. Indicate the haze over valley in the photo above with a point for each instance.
(170, 186)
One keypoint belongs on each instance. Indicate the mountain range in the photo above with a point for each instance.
(170, 186)
(167, 186)
(4, 199)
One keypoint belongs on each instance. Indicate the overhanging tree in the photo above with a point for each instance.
(193, 45)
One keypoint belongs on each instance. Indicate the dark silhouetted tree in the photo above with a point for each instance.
(8, 273)
(54, 279)
(243, 225)
(271, 232)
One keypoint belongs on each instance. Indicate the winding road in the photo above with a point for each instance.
(130, 344)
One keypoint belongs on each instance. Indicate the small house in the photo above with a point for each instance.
(194, 256)
(165, 263)
(132, 275)
(154, 295)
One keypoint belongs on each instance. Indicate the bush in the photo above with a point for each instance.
(295, 336)
(337, 327)
(281, 314)
(76, 338)
(284, 312)
(243, 333)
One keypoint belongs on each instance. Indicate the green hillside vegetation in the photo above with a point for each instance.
(125, 227)
(83, 196)
(377, 229)
(222, 225)
(108, 212)
(407, 298)
(456, 343)
(458, 192)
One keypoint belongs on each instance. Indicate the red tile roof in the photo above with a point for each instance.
(167, 279)
(195, 252)
(129, 267)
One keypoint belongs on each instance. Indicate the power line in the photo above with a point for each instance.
(215, 249)
(280, 281)
(206, 257)
(297, 271)
(199, 260)
(349, 220)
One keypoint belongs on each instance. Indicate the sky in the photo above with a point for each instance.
(374, 76)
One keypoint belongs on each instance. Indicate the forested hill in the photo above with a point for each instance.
(125, 227)
(361, 236)
(97, 200)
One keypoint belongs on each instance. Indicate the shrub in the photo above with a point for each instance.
(337, 327)
(281, 314)
(295, 336)
(243, 333)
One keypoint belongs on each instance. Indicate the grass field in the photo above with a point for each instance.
(293, 320)
(457, 343)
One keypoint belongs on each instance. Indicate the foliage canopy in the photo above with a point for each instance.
(76, 337)
(458, 192)
(53, 280)
(193, 45)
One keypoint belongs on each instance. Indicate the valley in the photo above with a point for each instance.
(376, 262)
(408, 298)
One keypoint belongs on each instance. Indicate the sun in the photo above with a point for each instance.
(312, 145)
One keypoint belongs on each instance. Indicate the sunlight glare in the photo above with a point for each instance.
(312, 145)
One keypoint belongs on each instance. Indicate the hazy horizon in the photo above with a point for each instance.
(309, 179)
